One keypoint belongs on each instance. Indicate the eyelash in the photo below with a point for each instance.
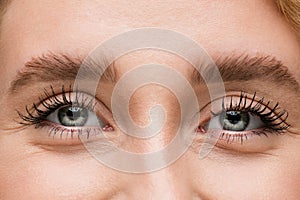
(259, 109)
(49, 101)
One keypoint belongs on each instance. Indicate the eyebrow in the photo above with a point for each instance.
(243, 68)
(53, 67)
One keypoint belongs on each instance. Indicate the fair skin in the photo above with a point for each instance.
(35, 166)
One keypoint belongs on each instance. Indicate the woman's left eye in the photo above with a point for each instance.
(239, 118)
(71, 116)
(236, 121)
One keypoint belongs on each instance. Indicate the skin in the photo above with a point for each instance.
(36, 167)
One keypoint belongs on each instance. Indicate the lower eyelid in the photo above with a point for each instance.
(259, 140)
(231, 137)
(69, 144)
(57, 134)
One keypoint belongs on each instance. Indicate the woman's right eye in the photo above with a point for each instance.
(70, 116)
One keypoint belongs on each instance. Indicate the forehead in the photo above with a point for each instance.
(32, 27)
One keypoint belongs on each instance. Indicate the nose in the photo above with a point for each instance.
(173, 181)
(169, 183)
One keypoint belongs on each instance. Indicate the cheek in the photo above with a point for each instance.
(286, 176)
(248, 178)
(54, 176)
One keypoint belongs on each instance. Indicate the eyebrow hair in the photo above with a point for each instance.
(52, 67)
(3, 8)
(243, 68)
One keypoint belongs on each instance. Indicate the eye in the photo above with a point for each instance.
(236, 121)
(71, 116)
(240, 118)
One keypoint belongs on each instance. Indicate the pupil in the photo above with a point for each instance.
(234, 120)
(233, 117)
(73, 113)
(73, 116)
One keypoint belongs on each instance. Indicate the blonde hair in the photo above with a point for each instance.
(291, 10)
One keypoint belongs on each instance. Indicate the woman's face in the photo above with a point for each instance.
(42, 156)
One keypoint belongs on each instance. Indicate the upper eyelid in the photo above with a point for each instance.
(264, 104)
(52, 94)
(51, 98)
(248, 104)
(232, 95)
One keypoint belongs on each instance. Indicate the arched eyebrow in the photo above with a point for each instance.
(244, 68)
(53, 67)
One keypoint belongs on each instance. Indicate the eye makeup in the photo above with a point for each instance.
(68, 114)
(244, 116)
(73, 114)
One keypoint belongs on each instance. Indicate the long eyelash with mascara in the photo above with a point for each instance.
(273, 118)
(259, 108)
(50, 102)
(37, 114)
